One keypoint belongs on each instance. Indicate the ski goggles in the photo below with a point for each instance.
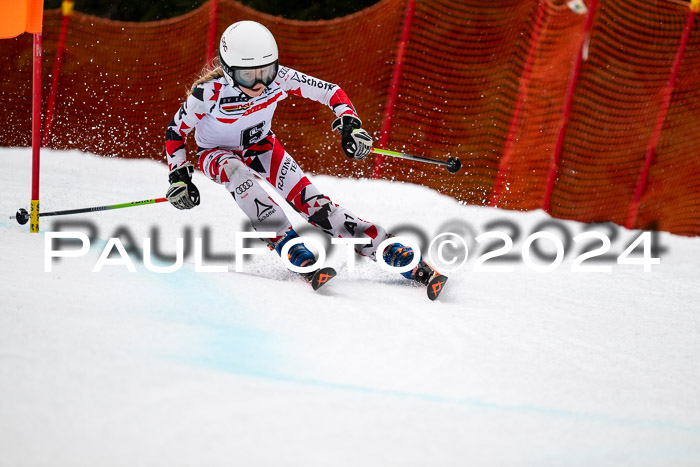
(249, 77)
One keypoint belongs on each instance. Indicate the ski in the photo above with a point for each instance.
(320, 277)
(428, 275)
(436, 285)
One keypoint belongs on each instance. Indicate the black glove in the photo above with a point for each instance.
(182, 193)
(357, 143)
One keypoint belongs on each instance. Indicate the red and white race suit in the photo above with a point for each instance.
(236, 148)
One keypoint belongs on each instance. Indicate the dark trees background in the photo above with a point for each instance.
(153, 10)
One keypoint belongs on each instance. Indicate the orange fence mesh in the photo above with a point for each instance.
(465, 73)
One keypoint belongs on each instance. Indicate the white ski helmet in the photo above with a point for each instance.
(248, 54)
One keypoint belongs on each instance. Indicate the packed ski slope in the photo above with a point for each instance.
(119, 368)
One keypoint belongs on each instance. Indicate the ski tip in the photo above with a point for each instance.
(435, 286)
(321, 277)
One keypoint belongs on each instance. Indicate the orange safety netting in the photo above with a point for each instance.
(484, 81)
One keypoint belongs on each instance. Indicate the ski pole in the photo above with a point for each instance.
(453, 164)
(22, 215)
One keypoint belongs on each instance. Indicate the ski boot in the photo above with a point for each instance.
(301, 256)
(398, 255)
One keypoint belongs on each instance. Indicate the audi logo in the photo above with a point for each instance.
(243, 187)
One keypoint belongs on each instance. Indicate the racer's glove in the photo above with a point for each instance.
(357, 143)
(182, 193)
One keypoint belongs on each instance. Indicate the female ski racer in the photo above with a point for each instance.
(231, 108)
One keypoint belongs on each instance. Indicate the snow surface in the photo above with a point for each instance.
(190, 368)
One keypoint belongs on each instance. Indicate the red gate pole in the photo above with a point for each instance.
(566, 112)
(67, 8)
(36, 133)
(668, 94)
(394, 87)
(211, 45)
(522, 96)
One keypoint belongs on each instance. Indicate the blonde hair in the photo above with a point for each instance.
(211, 70)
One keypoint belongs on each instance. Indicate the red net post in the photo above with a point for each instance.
(566, 112)
(668, 94)
(394, 88)
(522, 96)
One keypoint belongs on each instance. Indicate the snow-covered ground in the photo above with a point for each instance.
(119, 368)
